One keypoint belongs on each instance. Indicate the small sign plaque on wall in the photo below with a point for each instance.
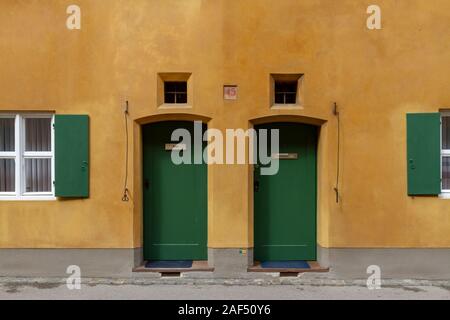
(230, 92)
(175, 146)
(288, 156)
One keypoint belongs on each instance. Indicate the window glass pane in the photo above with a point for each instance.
(290, 98)
(7, 175)
(279, 98)
(175, 86)
(169, 86)
(37, 134)
(7, 134)
(285, 86)
(446, 173)
(445, 132)
(181, 98)
(175, 92)
(169, 98)
(285, 92)
(181, 86)
(38, 175)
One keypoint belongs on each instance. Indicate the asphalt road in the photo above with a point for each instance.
(204, 292)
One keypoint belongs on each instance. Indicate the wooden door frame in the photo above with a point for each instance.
(137, 164)
(322, 193)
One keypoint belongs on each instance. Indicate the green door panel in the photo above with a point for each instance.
(72, 156)
(285, 203)
(175, 198)
(423, 153)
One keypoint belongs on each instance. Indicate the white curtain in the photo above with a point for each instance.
(7, 134)
(7, 144)
(7, 175)
(38, 170)
(37, 132)
(38, 175)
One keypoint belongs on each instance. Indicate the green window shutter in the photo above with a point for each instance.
(424, 153)
(72, 156)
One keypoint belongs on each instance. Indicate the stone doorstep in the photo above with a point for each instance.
(197, 266)
(202, 266)
(313, 267)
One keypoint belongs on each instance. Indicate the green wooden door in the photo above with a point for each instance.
(285, 203)
(175, 198)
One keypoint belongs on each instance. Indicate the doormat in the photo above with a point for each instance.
(174, 264)
(294, 264)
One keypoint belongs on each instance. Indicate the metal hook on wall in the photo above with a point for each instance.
(126, 192)
(336, 188)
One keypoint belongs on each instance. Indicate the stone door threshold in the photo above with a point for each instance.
(196, 267)
(313, 267)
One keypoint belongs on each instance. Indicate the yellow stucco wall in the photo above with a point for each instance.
(376, 77)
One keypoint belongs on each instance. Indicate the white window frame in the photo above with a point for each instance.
(20, 155)
(445, 193)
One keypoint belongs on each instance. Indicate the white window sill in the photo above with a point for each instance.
(27, 198)
(444, 195)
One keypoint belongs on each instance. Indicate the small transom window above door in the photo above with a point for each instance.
(175, 92)
(286, 90)
(26, 157)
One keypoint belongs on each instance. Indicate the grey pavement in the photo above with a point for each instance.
(273, 288)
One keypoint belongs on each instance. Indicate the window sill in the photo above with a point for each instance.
(27, 198)
(175, 106)
(444, 195)
(286, 107)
